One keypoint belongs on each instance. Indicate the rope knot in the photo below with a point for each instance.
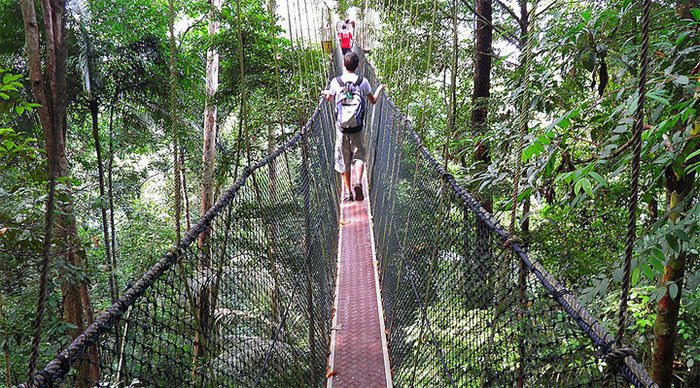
(512, 239)
(613, 360)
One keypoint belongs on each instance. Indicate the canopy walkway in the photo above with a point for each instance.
(253, 296)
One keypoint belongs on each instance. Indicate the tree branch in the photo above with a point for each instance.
(508, 35)
(510, 11)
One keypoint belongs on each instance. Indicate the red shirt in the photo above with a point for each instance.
(345, 38)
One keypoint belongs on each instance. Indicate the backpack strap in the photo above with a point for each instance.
(357, 83)
(359, 80)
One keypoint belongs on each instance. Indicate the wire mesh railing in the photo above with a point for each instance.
(464, 305)
(244, 300)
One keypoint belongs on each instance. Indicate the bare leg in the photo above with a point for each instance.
(346, 181)
(359, 169)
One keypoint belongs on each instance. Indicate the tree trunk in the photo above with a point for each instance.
(172, 102)
(204, 304)
(48, 89)
(452, 114)
(94, 112)
(482, 78)
(110, 188)
(185, 195)
(480, 97)
(667, 309)
(210, 112)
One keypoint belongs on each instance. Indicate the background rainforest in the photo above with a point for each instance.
(150, 87)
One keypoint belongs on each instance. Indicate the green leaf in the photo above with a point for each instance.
(9, 144)
(696, 13)
(19, 109)
(598, 178)
(544, 139)
(658, 99)
(586, 15)
(682, 37)
(586, 184)
(692, 155)
(564, 123)
(682, 80)
(648, 271)
(636, 273)
(673, 290)
(672, 242)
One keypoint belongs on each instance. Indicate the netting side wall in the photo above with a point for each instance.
(247, 298)
(461, 308)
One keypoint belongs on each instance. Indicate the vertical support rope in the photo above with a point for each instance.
(634, 189)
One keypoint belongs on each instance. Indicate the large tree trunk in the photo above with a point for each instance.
(480, 97)
(482, 76)
(210, 112)
(48, 88)
(204, 303)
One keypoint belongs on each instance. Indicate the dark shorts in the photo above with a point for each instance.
(346, 50)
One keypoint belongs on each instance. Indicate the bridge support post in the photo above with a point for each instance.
(305, 190)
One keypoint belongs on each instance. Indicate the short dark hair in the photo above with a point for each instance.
(351, 61)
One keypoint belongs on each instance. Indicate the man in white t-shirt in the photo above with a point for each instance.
(349, 142)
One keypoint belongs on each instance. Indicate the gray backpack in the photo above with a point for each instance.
(350, 105)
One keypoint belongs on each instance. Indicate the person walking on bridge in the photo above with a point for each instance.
(349, 91)
(345, 37)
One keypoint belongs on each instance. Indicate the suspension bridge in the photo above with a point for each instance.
(417, 286)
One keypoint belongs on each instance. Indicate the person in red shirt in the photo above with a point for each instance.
(345, 37)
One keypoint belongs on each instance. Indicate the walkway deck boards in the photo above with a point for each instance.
(358, 348)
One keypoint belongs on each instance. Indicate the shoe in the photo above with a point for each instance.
(358, 192)
(347, 199)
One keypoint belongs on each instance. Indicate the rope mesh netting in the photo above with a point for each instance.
(246, 300)
(464, 306)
